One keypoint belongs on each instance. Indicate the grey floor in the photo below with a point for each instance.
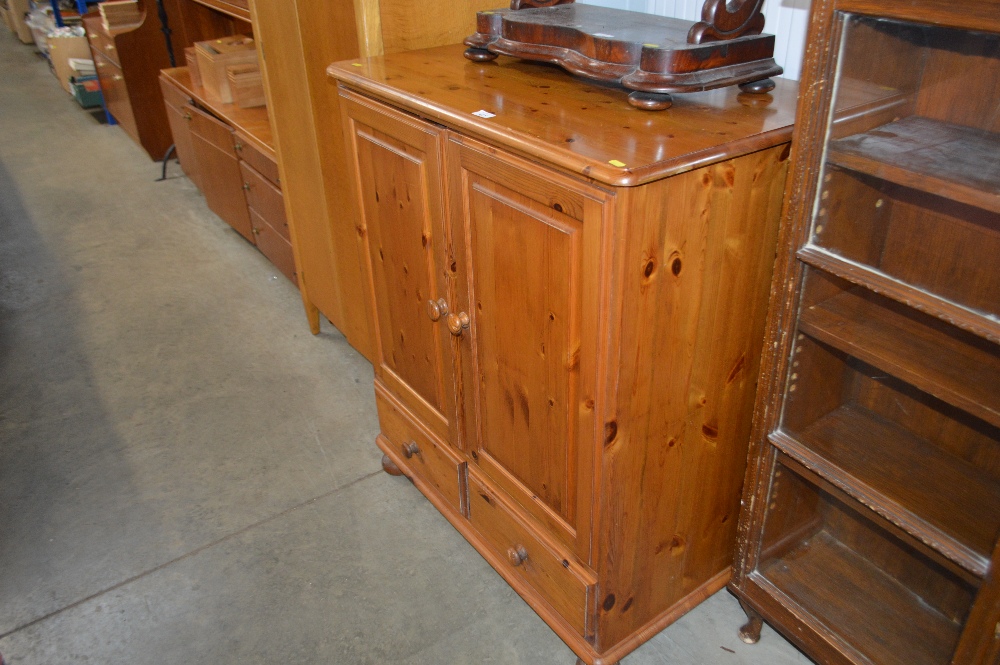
(186, 474)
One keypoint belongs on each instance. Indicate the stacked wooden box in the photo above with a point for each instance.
(229, 70)
(117, 14)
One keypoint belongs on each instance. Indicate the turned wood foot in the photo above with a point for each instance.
(581, 661)
(650, 101)
(758, 87)
(750, 631)
(479, 54)
(390, 467)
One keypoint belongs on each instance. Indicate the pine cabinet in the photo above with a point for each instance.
(568, 317)
(872, 515)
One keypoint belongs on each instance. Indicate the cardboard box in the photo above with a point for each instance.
(215, 55)
(61, 49)
(17, 9)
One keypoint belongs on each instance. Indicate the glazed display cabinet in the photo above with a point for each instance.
(872, 504)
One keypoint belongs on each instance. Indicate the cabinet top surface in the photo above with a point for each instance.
(252, 123)
(580, 125)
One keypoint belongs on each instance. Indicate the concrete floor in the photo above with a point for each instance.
(186, 474)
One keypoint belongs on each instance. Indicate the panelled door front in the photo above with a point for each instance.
(532, 298)
(399, 179)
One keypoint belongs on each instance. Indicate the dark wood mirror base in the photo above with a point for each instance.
(650, 101)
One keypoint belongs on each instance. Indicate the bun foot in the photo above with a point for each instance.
(750, 631)
(581, 661)
(650, 101)
(390, 467)
(479, 54)
(758, 87)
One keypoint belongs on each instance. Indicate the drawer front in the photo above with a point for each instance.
(272, 245)
(265, 165)
(116, 94)
(422, 454)
(100, 40)
(174, 97)
(212, 130)
(550, 570)
(266, 199)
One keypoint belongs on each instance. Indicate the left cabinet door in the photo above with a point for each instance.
(219, 170)
(398, 172)
(176, 103)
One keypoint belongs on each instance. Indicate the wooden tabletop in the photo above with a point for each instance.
(253, 123)
(579, 125)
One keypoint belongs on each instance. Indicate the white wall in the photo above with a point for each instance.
(786, 20)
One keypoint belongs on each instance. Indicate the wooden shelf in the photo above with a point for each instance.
(252, 123)
(965, 375)
(937, 498)
(947, 160)
(885, 621)
(886, 285)
(236, 10)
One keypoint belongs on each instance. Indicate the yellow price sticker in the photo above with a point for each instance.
(615, 162)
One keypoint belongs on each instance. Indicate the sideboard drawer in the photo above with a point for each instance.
(555, 574)
(265, 165)
(266, 199)
(422, 454)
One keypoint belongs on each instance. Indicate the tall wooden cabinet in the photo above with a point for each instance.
(299, 39)
(872, 510)
(128, 61)
(569, 300)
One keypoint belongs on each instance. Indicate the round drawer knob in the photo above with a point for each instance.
(410, 449)
(457, 323)
(436, 309)
(517, 555)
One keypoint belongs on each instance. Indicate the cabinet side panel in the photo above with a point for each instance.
(696, 273)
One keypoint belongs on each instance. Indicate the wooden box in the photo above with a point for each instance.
(192, 65)
(246, 86)
(116, 14)
(214, 56)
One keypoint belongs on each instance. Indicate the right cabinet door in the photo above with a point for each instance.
(532, 299)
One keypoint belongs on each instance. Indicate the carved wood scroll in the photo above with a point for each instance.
(727, 19)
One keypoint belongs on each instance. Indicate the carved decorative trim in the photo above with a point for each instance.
(727, 19)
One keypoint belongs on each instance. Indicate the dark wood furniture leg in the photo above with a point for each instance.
(479, 54)
(650, 101)
(390, 467)
(750, 631)
(758, 87)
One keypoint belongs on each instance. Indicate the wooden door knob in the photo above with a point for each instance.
(457, 323)
(436, 308)
(517, 555)
(410, 449)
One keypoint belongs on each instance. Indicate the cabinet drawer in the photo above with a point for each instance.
(554, 573)
(100, 40)
(265, 199)
(275, 247)
(422, 454)
(264, 164)
(174, 97)
(212, 130)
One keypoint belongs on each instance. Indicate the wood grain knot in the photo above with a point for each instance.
(610, 432)
(609, 602)
(675, 266)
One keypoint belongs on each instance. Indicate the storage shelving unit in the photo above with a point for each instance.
(872, 507)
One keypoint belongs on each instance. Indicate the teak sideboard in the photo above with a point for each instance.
(570, 297)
